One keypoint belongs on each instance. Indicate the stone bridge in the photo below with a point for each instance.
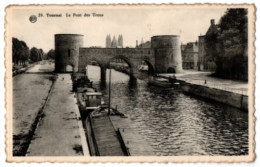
(134, 57)
(163, 56)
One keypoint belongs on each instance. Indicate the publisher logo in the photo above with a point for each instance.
(33, 18)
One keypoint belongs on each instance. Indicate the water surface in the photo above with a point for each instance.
(174, 123)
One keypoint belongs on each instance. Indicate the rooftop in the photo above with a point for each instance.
(70, 34)
(165, 36)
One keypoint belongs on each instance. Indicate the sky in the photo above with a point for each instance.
(134, 23)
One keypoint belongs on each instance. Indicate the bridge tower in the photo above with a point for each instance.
(167, 52)
(67, 52)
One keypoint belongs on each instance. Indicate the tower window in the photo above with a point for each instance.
(69, 52)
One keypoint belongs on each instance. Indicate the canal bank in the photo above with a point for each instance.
(24, 69)
(223, 94)
(30, 92)
(236, 100)
(59, 131)
(202, 84)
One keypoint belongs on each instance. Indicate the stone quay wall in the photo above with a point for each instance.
(233, 99)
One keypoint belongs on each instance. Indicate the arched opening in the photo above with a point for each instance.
(171, 70)
(146, 67)
(92, 71)
(69, 68)
(122, 64)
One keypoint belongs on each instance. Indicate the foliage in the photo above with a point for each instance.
(36, 54)
(50, 54)
(20, 51)
(227, 44)
(211, 43)
(22, 54)
(233, 42)
(233, 32)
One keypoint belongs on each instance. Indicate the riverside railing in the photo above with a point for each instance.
(216, 86)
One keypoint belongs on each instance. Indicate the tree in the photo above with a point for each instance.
(226, 44)
(36, 54)
(25, 52)
(15, 50)
(20, 51)
(22, 54)
(232, 43)
(41, 54)
(51, 54)
(211, 39)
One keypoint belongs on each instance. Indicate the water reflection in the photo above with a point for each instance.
(175, 123)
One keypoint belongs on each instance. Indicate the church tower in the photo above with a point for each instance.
(120, 41)
(114, 43)
(108, 41)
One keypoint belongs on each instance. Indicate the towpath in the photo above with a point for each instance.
(29, 95)
(59, 131)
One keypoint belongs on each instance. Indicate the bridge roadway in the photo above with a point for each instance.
(59, 132)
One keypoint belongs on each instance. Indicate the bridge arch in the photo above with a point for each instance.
(69, 68)
(128, 62)
(171, 70)
(100, 64)
(151, 70)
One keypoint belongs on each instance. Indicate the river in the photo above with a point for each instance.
(174, 123)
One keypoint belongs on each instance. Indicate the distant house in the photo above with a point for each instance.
(206, 58)
(202, 53)
(146, 44)
(190, 55)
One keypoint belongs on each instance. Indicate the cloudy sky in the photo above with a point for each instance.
(132, 22)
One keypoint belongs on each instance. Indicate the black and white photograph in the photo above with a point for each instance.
(130, 83)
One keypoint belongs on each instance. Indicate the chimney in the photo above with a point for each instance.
(136, 43)
(212, 21)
